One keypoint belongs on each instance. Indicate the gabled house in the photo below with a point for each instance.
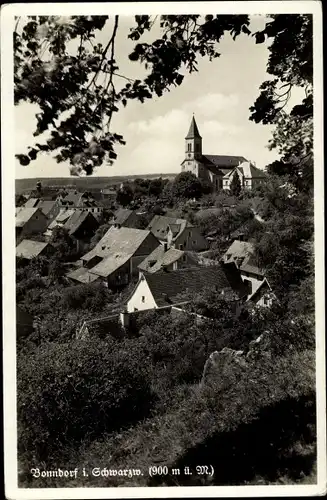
(115, 258)
(29, 249)
(81, 226)
(169, 259)
(124, 218)
(242, 254)
(79, 201)
(59, 221)
(50, 208)
(263, 295)
(164, 288)
(249, 175)
(177, 233)
(29, 221)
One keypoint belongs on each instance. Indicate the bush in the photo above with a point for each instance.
(78, 391)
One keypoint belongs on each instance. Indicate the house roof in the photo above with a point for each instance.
(30, 248)
(110, 264)
(159, 258)
(46, 206)
(160, 224)
(23, 215)
(76, 220)
(83, 275)
(166, 286)
(31, 202)
(239, 250)
(249, 265)
(63, 216)
(193, 130)
(263, 286)
(243, 250)
(120, 216)
(122, 240)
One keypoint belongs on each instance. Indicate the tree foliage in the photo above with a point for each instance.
(235, 185)
(76, 83)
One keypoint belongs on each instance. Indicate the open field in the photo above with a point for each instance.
(24, 185)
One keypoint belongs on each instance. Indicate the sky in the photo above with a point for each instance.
(219, 95)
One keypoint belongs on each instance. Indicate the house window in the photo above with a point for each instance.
(194, 242)
(143, 298)
(265, 300)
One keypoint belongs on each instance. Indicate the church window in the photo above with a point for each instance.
(189, 147)
(197, 148)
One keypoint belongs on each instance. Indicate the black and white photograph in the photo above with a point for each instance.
(163, 250)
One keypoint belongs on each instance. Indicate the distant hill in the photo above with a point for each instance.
(81, 183)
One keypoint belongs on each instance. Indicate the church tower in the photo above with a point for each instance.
(193, 143)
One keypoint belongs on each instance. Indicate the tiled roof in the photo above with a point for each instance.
(83, 275)
(224, 161)
(46, 206)
(64, 215)
(249, 265)
(71, 199)
(110, 264)
(166, 286)
(159, 225)
(239, 250)
(23, 215)
(121, 215)
(30, 248)
(31, 203)
(76, 220)
(243, 252)
(122, 240)
(159, 258)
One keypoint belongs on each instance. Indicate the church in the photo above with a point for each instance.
(219, 170)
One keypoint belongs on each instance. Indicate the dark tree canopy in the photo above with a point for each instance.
(79, 89)
(235, 185)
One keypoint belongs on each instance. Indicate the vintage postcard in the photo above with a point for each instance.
(163, 250)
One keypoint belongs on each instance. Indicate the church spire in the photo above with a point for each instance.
(193, 131)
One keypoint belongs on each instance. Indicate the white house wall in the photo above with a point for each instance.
(141, 299)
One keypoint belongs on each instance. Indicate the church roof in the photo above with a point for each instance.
(193, 131)
(223, 161)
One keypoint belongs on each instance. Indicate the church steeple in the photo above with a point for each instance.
(193, 142)
(193, 131)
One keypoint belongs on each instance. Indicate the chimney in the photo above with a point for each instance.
(165, 247)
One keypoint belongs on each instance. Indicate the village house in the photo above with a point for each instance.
(217, 169)
(29, 249)
(168, 258)
(50, 208)
(29, 221)
(242, 254)
(263, 296)
(81, 226)
(115, 258)
(59, 221)
(79, 201)
(125, 218)
(177, 233)
(164, 288)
